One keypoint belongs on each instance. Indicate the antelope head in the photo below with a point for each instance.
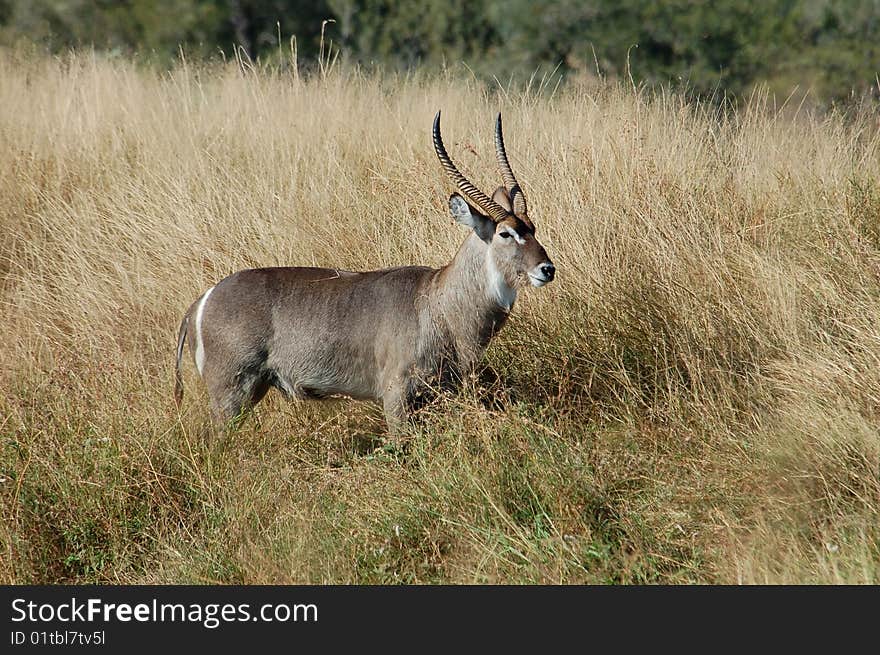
(513, 253)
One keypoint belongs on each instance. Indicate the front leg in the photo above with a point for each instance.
(405, 396)
(394, 403)
(402, 400)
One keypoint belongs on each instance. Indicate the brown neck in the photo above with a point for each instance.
(471, 300)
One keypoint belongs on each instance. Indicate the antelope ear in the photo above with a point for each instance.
(467, 215)
(502, 197)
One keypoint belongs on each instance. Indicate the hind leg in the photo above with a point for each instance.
(231, 400)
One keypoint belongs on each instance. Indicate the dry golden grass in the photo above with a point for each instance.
(696, 399)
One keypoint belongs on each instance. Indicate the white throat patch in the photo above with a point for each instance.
(496, 285)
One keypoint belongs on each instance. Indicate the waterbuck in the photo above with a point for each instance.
(387, 335)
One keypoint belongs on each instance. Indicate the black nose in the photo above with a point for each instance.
(549, 271)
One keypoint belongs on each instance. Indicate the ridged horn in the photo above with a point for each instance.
(472, 193)
(516, 193)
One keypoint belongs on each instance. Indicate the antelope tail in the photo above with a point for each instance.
(178, 378)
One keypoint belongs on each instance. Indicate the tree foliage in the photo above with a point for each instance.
(828, 45)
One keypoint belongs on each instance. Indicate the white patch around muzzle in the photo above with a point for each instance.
(537, 277)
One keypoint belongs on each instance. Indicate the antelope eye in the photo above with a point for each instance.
(504, 235)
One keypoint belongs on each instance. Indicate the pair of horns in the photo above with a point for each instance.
(472, 193)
